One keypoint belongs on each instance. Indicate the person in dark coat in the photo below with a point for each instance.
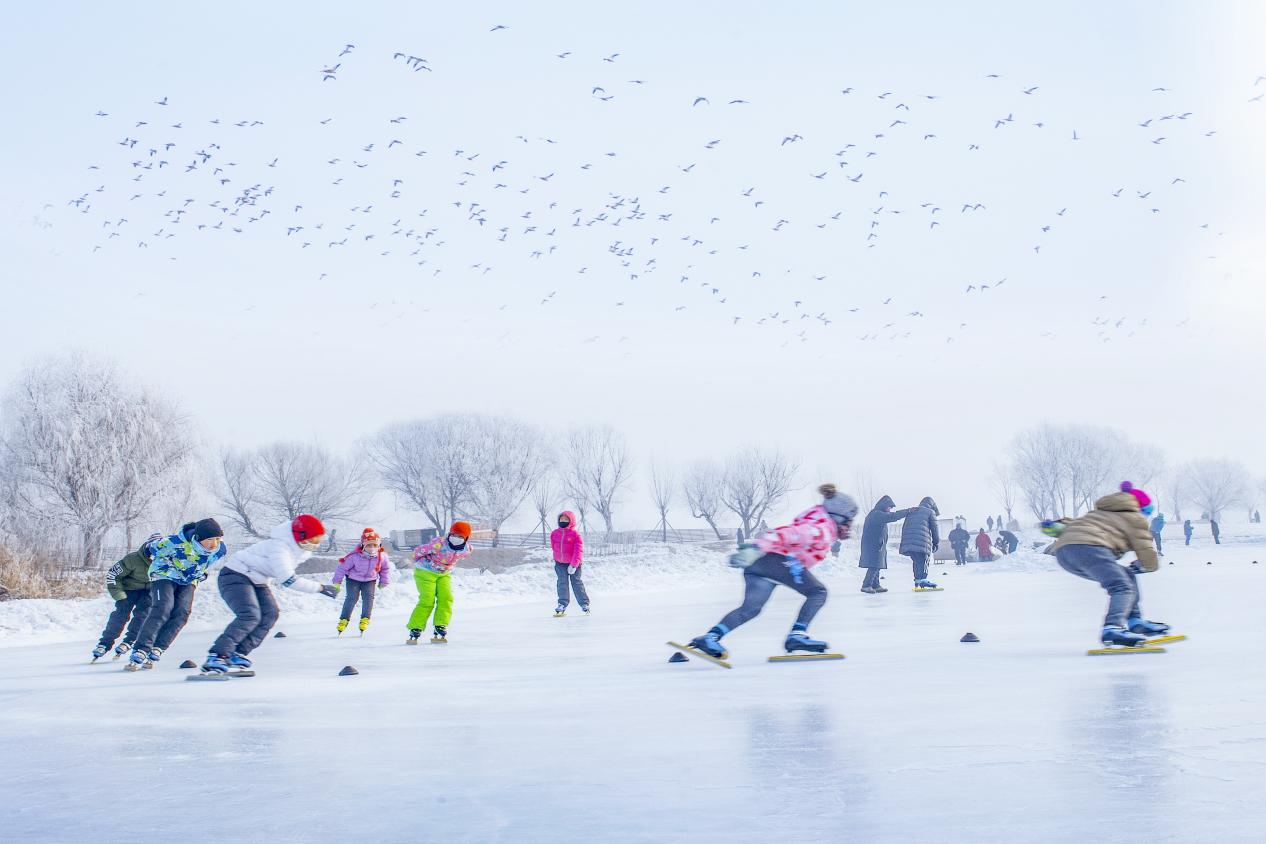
(920, 537)
(989, 523)
(958, 540)
(1009, 542)
(1187, 531)
(874, 556)
(1217, 531)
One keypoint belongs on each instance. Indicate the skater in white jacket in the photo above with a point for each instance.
(243, 583)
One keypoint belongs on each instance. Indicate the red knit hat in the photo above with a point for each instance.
(306, 528)
(368, 535)
(461, 529)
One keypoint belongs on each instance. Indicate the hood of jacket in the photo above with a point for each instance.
(930, 504)
(1118, 502)
(571, 519)
(885, 503)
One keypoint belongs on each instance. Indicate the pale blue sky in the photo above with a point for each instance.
(243, 329)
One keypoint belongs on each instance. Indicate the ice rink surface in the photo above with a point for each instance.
(531, 728)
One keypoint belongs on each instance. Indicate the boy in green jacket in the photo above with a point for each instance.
(127, 581)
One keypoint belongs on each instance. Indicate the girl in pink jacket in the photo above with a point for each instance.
(569, 556)
(365, 569)
(784, 556)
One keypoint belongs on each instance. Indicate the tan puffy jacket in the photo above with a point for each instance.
(1115, 523)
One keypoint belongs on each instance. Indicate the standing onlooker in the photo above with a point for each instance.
(1158, 524)
(1187, 531)
(569, 555)
(984, 546)
(920, 537)
(989, 523)
(366, 569)
(958, 540)
(1217, 531)
(874, 551)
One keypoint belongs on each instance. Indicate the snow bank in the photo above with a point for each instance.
(652, 568)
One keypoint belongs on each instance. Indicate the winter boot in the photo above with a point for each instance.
(239, 662)
(1118, 636)
(560, 610)
(364, 623)
(342, 625)
(924, 584)
(98, 652)
(869, 590)
(122, 649)
(798, 640)
(441, 635)
(136, 661)
(1148, 628)
(215, 664)
(155, 655)
(879, 589)
(710, 643)
(585, 609)
(414, 635)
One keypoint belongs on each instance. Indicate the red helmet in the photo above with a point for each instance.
(306, 527)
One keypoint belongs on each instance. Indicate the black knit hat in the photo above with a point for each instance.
(206, 529)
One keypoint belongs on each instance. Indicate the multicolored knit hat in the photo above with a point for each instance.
(1144, 500)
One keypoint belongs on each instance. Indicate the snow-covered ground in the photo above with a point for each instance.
(530, 728)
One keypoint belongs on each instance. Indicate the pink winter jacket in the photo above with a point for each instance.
(568, 544)
(358, 566)
(437, 556)
(808, 538)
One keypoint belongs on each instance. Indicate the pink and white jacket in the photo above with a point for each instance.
(808, 538)
(358, 566)
(437, 556)
(568, 544)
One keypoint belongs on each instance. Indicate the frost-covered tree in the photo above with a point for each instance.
(598, 468)
(1004, 487)
(753, 482)
(509, 457)
(663, 487)
(89, 449)
(1213, 485)
(428, 464)
(1063, 469)
(545, 497)
(282, 480)
(702, 486)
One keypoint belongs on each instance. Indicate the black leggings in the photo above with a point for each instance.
(759, 580)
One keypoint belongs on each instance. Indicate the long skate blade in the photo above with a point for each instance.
(1164, 640)
(804, 657)
(411, 641)
(208, 678)
(245, 672)
(925, 589)
(689, 651)
(559, 614)
(436, 640)
(1124, 650)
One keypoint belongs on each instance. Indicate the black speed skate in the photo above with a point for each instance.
(710, 644)
(798, 641)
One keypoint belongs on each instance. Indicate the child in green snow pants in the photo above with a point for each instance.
(435, 591)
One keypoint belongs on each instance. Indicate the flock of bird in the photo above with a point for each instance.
(676, 228)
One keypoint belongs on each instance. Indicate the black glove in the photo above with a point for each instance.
(1136, 568)
(329, 591)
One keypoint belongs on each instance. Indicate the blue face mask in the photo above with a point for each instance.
(1147, 511)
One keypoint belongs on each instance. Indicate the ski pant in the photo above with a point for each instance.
(960, 555)
(169, 607)
(1156, 537)
(256, 610)
(435, 592)
(1094, 562)
(134, 604)
(920, 565)
(1188, 539)
(871, 580)
(577, 586)
(364, 590)
(759, 580)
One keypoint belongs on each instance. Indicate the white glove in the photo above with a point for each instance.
(573, 569)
